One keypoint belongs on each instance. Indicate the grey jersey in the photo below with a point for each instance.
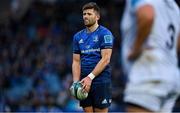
(164, 33)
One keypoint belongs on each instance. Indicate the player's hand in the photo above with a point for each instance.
(86, 82)
(72, 88)
(134, 55)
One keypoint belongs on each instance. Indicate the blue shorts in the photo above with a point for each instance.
(99, 96)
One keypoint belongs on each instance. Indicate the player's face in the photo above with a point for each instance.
(90, 17)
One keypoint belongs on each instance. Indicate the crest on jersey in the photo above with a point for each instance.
(95, 39)
(81, 41)
(87, 46)
(108, 39)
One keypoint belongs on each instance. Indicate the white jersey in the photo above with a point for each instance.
(162, 38)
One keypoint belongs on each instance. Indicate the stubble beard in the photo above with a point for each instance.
(90, 24)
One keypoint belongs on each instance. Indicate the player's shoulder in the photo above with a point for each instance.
(106, 34)
(104, 30)
(79, 33)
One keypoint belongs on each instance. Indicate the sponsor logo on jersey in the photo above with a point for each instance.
(104, 101)
(81, 41)
(90, 50)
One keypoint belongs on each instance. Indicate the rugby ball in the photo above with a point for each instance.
(79, 93)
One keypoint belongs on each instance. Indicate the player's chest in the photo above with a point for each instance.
(89, 42)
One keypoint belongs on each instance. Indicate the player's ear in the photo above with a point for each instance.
(98, 16)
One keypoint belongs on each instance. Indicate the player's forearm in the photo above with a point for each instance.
(100, 66)
(145, 17)
(105, 60)
(76, 71)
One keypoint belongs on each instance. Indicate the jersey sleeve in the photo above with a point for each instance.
(107, 40)
(76, 49)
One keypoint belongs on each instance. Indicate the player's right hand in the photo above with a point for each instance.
(134, 54)
(72, 88)
(86, 82)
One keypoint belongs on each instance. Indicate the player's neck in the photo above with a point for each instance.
(92, 28)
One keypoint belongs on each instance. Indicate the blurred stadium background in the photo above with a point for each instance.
(36, 53)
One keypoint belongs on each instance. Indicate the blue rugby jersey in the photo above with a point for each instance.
(89, 46)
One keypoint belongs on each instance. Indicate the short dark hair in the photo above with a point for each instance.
(91, 5)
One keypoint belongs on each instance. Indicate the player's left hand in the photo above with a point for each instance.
(72, 88)
(86, 82)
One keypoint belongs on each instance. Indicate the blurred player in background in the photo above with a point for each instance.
(92, 49)
(150, 30)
